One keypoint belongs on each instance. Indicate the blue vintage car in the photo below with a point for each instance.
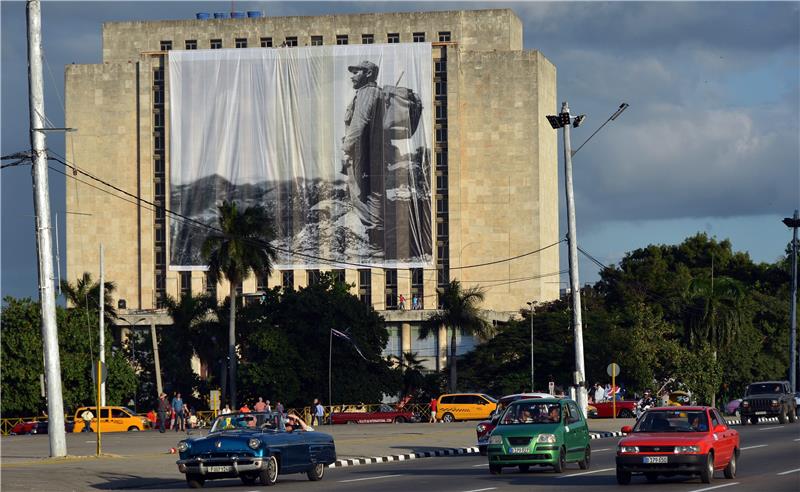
(254, 446)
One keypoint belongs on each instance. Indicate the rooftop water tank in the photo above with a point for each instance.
(203, 15)
(254, 13)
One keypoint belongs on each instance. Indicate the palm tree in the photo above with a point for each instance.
(84, 294)
(188, 315)
(459, 312)
(242, 245)
(411, 367)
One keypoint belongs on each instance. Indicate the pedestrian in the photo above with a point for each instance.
(177, 409)
(402, 302)
(268, 407)
(278, 406)
(414, 302)
(434, 404)
(193, 420)
(226, 410)
(244, 409)
(260, 406)
(318, 412)
(163, 412)
(87, 417)
(152, 418)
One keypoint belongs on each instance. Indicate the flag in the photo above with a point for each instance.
(347, 337)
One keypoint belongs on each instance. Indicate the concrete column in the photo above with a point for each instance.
(405, 338)
(378, 289)
(430, 297)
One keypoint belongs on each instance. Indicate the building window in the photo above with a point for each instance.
(266, 42)
(158, 75)
(390, 292)
(186, 283)
(191, 44)
(341, 39)
(441, 182)
(312, 277)
(216, 44)
(440, 88)
(211, 285)
(158, 140)
(391, 277)
(158, 119)
(291, 41)
(316, 40)
(287, 279)
(418, 37)
(161, 257)
(158, 165)
(159, 182)
(393, 37)
(441, 112)
(441, 159)
(365, 285)
(441, 134)
(240, 42)
(417, 291)
(338, 276)
(442, 251)
(444, 36)
(166, 45)
(367, 39)
(160, 236)
(441, 228)
(262, 280)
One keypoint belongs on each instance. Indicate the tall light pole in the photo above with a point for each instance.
(532, 304)
(794, 223)
(44, 244)
(564, 120)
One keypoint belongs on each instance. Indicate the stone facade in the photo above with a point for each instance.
(502, 177)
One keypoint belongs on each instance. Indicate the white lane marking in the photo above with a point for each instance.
(770, 428)
(586, 473)
(790, 471)
(600, 450)
(478, 466)
(798, 439)
(368, 478)
(754, 447)
(715, 487)
(481, 490)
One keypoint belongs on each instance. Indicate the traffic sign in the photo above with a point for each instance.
(613, 369)
(103, 373)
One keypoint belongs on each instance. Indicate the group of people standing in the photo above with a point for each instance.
(317, 410)
(179, 415)
(416, 302)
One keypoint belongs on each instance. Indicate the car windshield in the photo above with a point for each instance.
(673, 421)
(247, 421)
(763, 388)
(493, 400)
(531, 413)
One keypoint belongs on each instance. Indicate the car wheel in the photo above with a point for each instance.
(316, 472)
(754, 420)
(133, 428)
(623, 477)
(195, 481)
(269, 475)
(730, 470)
(249, 479)
(587, 459)
(495, 469)
(561, 463)
(625, 414)
(524, 468)
(399, 420)
(707, 473)
(651, 477)
(448, 417)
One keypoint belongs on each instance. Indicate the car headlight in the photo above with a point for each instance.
(745, 403)
(183, 446)
(687, 449)
(548, 438)
(629, 449)
(495, 440)
(775, 403)
(481, 428)
(254, 443)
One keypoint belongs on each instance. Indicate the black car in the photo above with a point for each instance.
(768, 399)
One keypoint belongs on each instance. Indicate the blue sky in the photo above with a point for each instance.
(709, 144)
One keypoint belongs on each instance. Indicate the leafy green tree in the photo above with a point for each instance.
(460, 314)
(411, 368)
(84, 294)
(242, 245)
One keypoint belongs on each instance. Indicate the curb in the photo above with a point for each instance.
(738, 421)
(603, 435)
(403, 457)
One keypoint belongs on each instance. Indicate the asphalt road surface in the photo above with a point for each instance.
(769, 462)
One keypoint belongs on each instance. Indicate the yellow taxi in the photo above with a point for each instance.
(112, 419)
(465, 406)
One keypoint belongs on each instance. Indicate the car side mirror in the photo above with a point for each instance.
(627, 429)
(720, 428)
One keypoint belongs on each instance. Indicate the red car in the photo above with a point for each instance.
(384, 414)
(36, 427)
(626, 409)
(678, 441)
(485, 428)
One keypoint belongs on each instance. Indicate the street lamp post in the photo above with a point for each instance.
(531, 304)
(564, 120)
(794, 223)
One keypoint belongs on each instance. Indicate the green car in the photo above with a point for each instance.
(544, 432)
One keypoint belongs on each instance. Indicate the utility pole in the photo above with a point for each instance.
(531, 305)
(794, 223)
(102, 304)
(156, 361)
(574, 282)
(52, 362)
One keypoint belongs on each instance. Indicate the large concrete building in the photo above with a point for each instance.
(496, 179)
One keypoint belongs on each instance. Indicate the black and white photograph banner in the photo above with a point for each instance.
(334, 141)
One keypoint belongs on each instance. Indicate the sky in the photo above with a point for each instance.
(710, 142)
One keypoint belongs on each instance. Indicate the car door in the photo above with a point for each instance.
(723, 441)
(572, 430)
(295, 455)
(119, 420)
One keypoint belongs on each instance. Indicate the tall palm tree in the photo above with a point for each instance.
(460, 314)
(188, 314)
(85, 294)
(242, 245)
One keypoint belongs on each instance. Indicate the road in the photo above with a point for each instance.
(769, 462)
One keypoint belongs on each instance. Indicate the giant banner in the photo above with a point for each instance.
(334, 141)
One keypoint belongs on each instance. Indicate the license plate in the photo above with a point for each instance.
(654, 459)
(761, 413)
(219, 469)
(518, 450)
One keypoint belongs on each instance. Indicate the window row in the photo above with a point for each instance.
(316, 40)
